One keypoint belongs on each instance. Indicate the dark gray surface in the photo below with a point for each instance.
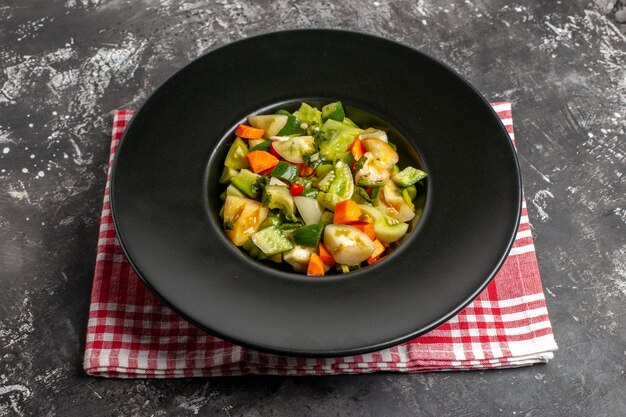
(64, 66)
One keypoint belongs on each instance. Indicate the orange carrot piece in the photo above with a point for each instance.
(261, 161)
(325, 255)
(379, 249)
(367, 228)
(316, 266)
(249, 132)
(347, 212)
(357, 149)
(305, 170)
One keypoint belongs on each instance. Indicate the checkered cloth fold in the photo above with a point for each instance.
(132, 334)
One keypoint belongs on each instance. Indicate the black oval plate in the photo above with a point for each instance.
(174, 147)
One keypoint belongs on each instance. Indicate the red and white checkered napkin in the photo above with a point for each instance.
(131, 334)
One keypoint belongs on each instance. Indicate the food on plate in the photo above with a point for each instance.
(313, 190)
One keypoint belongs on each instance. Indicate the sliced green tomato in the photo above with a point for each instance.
(347, 244)
(384, 155)
(236, 158)
(294, 149)
(343, 184)
(389, 230)
(408, 176)
(271, 241)
(245, 216)
(327, 217)
(309, 209)
(298, 257)
(338, 136)
(328, 201)
(324, 182)
(271, 123)
(246, 181)
(278, 197)
(333, 111)
(309, 115)
(394, 170)
(390, 202)
(234, 191)
(263, 145)
(284, 171)
(309, 235)
(370, 213)
(373, 133)
(227, 174)
(322, 170)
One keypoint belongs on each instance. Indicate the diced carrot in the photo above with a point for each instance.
(261, 161)
(316, 266)
(305, 170)
(249, 132)
(357, 149)
(367, 228)
(379, 249)
(375, 261)
(347, 212)
(325, 255)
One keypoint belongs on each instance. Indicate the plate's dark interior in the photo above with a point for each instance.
(172, 152)
(406, 151)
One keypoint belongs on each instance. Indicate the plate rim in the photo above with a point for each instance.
(323, 353)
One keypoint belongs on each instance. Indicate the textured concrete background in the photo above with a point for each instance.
(65, 65)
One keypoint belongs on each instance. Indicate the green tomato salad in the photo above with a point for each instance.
(316, 191)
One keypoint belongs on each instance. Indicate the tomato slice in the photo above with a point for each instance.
(243, 216)
(347, 244)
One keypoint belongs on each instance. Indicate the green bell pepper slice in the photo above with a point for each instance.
(285, 171)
